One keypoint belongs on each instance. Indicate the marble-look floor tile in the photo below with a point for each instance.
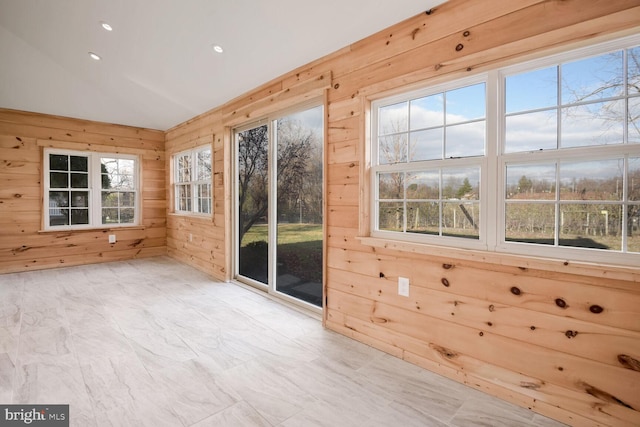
(44, 345)
(86, 312)
(10, 317)
(43, 318)
(340, 349)
(134, 321)
(239, 415)
(7, 370)
(192, 395)
(8, 343)
(152, 342)
(289, 322)
(98, 343)
(116, 382)
(273, 396)
(542, 421)
(483, 412)
(336, 386)
(60, 382)
(435, 397)
(161, 349)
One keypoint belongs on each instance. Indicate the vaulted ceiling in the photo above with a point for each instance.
(157, 66)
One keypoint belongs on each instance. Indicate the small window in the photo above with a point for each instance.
(192, 181)
(85, 190)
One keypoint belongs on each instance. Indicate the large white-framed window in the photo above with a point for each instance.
(192, 181)
(90, 190)
(559, 175)
(428, 163)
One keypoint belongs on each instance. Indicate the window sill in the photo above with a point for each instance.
(93, 229)
(204, 217)
(581, 268)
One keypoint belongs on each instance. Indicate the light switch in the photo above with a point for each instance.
(112, 238)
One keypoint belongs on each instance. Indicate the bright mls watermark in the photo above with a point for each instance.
(34, 415)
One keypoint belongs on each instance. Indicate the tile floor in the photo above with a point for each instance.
(156, 343)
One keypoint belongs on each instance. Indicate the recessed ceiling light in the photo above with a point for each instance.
(106, 26)
(95, 56)
(217, 48)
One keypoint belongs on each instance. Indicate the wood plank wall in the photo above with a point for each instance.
(23, 246)
(559, 337)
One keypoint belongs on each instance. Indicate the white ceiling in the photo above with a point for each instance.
(158, 68)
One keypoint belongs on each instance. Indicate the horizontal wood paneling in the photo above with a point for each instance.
(520, 328)
(23, 136)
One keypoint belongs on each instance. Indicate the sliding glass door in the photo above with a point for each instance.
(279, 212)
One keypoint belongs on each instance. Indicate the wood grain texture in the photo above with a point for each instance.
(556, 336)
(23, 246)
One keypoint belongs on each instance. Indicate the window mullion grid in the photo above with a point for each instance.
(193, 180)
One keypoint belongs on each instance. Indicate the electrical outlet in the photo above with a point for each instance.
(403, 286)
(190, 237)
(112, 238)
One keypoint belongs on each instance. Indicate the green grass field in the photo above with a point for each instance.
(287, 233)
(299, 251)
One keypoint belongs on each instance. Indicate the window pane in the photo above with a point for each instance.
(597, 180)
(423, 218)
(531, 182)
(633, 228)
(391, 185)
(110, 216)
(633, 180)
(80, 199)
(127, 199)
(591, 226)
(633, 72)
(461, 184)
(79, 216)
(467, 103)
(599, 123)
(126, 166)
(58, 198)
(532, 90)
(58, 216)
(184, 168)
(532, 132)
(58, 180)
(109, 199)
(79, 180)
(465, 140)
(108, 165)
(204, 165)
(460, 219)
(423, 185)
(634, 120)
(530, 223)
(391, 216)
(393, 149)
(58, 162)
(593, 78)
(79, 164)
(393, 118)
(427, 112)
(184, 197)
(426, 145)
(126, 216)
